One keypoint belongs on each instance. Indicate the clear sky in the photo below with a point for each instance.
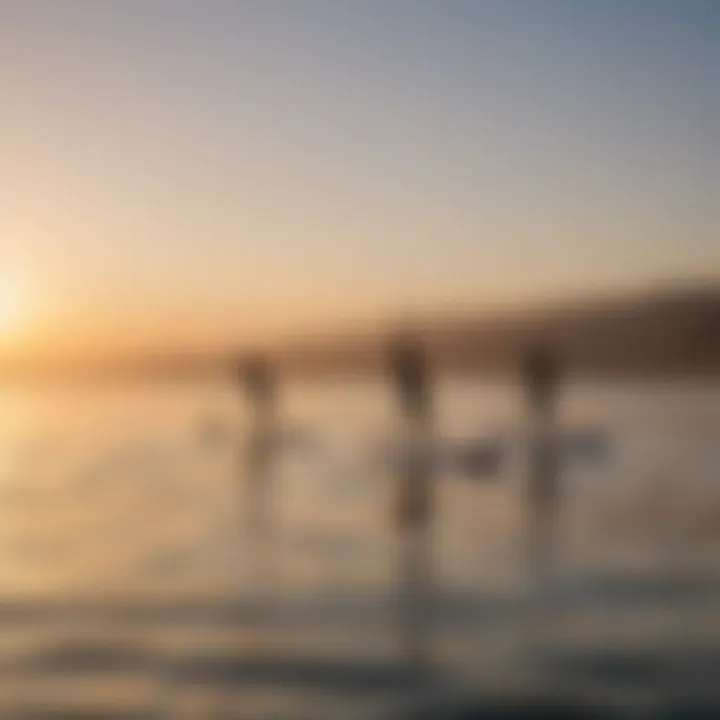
(212, 170)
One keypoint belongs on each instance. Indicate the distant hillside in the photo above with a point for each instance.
(656, 334)
(662, 333)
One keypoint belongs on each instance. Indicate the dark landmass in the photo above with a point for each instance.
(656, 334)
(662, 333)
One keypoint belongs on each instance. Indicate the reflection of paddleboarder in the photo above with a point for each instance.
(542, 376)
(414, 508)
(258, 379)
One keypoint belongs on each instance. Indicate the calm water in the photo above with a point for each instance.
(126, 590)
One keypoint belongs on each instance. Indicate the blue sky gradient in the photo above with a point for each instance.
(189, 170)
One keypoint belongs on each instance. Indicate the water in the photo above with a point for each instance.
(126, 591)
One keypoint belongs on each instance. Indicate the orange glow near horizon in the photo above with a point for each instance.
(13, 309)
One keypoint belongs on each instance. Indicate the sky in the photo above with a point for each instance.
(204, 172)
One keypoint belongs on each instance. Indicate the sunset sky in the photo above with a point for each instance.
(198, 172)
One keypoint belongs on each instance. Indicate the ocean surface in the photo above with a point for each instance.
(128, 590)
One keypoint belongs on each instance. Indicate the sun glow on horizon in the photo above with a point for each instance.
(12, 308)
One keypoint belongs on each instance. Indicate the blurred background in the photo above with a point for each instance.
(340, 528)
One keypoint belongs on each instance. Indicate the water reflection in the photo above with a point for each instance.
(124, 594)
